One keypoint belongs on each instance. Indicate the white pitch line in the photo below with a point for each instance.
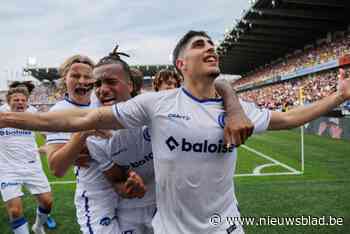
(63, 182)
(270, 174)
(269, 158)
(257, 170)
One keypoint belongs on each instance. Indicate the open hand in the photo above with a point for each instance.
(343, 85)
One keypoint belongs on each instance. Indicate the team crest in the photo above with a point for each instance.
(105, 221)
(221, 119)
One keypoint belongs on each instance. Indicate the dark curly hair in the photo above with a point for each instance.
(114, 58)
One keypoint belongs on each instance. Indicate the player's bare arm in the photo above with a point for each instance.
(237, 125)
(304, 114)
(62, 156)
(74, 152)
(72, 120)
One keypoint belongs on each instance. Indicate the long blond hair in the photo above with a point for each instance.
(66, 65)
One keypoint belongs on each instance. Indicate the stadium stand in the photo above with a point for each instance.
(272, 29)
(281, 46)
(285, 95)
(44, 99)
(2, 97)
(51, 74)
(45, 95)
(309, 57)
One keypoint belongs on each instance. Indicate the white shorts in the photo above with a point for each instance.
(96, 211)
(136, 220)
(11, 183)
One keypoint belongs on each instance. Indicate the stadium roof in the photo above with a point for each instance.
(272, 28)
(51, 74)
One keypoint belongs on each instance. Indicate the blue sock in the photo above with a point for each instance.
(41, 216)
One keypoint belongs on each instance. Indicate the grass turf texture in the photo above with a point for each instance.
(322, 190)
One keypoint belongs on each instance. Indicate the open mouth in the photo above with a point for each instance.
(210, 59)
(82, 91)
(108, 101)
(20, 108)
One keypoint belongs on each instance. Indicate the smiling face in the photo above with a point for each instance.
(112, 85)
(199, 59)
(79, 82)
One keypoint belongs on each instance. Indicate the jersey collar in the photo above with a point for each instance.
(66, 98)
(201, 100)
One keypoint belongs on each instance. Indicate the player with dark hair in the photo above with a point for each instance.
(137, 80)
(126, 150)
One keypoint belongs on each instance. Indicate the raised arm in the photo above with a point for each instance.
(304, 114)
(237, 125)
(72, 120)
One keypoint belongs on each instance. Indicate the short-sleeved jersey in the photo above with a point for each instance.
(129, 148)
(87, 178)
(18, 149)
(193, 168)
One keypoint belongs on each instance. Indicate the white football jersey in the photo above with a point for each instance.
(193, 169)
(87, 178)
(131, 149)
(18, 149)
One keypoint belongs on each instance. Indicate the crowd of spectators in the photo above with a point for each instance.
(280, 96)
(285, 95)
(45, 95)
(326, 51)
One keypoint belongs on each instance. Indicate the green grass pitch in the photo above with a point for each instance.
(324, 188)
